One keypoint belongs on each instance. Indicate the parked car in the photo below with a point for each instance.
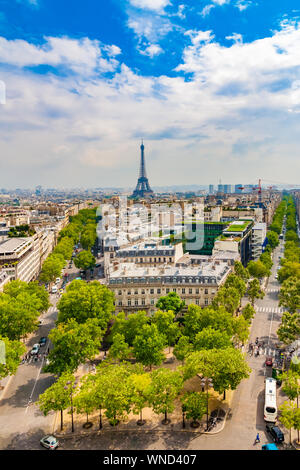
(50, 442)
(269, 361)
(57, 280)
(35, 349)
(269, 447)
(275, 432)
(54, 290)
(43, 341)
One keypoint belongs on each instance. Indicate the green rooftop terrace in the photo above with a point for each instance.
(238, 227)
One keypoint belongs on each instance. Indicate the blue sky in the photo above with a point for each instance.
(213, 87)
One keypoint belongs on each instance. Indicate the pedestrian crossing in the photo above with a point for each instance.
(272, 289)
(270, 309)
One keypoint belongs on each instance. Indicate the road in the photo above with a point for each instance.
(21, 422)
(18, 412)
(243, 423)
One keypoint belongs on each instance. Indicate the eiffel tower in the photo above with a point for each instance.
(142, 188)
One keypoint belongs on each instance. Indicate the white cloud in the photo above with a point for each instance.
(82, 56)
(240, 4)
(152, 50)
(150, 27)
(237, 114)
(154, 5)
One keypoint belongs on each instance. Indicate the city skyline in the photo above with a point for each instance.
(212, 88)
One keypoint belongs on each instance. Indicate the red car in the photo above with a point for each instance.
(269, 361)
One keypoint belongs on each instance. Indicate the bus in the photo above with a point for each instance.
(270, 408)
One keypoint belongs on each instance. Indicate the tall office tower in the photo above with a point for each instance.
(211, 189)
(227, 188)
(238, 188)
(142, 188)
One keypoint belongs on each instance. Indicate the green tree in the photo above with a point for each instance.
(129, 326)
(273, 239)
(85, 260)
(57, 397)
(197, 318)
(227, 297)
(289, 329)
(287, 416)
(83, 301)
(165, 387)
(236, 282)
(289, 295)
(248, 312)
(164, 320)
(74, 343)
(148, 346)
(13, 350)
(208, 338)
(140, 393)
(18, 316)
(183, 348)
(117, 391)
(258, 270)
(194, 404)
(241, 271)
(226, 367)
(52, 268)
(254, 291)
(119, 348)
(172, 302)
(289, 269)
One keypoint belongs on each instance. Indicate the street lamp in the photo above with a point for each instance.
(73, 387)
(206, 382)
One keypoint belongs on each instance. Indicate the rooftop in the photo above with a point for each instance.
(206, 273)
(13, 245)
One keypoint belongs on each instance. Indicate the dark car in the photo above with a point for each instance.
(43, 341)
(275, 432)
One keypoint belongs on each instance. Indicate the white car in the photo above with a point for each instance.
(50, 442)
(54, 290)
(57, 280)
(35, 349)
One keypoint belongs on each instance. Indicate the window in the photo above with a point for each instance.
(129, 292)
(119, 292)
(206, 301)
(129, 303)
(174, 290)
(152, 301)
(136, 302)
(120, 303)
(197, 301)
(190, 291)
(167, 290)
(151, 291)
(158, 291)
(136, 291)
(143, 291)
(143, 301)
(197, 291)
(206, 291)
(183, 290)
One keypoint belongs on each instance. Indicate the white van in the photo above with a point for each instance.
(54, 290)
